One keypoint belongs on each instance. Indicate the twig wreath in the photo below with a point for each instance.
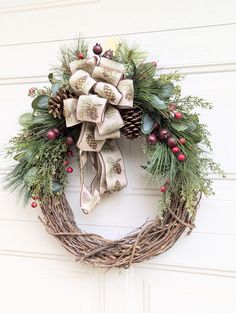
(92, 100)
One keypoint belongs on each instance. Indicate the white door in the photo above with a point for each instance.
(198, 274)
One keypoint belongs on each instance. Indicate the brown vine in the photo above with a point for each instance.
(150, 240)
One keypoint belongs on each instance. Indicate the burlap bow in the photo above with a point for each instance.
(101, 89)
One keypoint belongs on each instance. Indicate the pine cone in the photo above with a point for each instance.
(132, 123)
(55, 104)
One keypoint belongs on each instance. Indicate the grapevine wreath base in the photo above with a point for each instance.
(91, 102)
(150, 240)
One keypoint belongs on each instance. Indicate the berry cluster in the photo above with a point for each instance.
(163, 135)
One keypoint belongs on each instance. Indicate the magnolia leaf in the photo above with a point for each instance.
(147, 124)
(179, 126)
(55, 87)
(25, 119)
(30, 176)
(158, 103)
(166, 91)
(40, 102)
(191, 127)
(56, 187)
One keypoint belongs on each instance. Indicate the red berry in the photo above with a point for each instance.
(181, 157)
(66, 162)
(35, 197)
(163, 189)
(34, 205)
(171, 142)
(182, 141)
(80, 56)
(152, 139)
(175, 150)
(70, 153)
(69, 140)
(51, 135)
(56, 131)
(97, 49)
(164, 134)
(172, 106)
(69, 169)
(154, 63)
(31, 92)
(178, 115)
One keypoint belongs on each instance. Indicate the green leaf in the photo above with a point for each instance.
(30, 176)
(157, 103)
(179, 126)
(39, 119)
(25, 119)
(55, 87)
(56, 187)
(50, 78)
(165, 91)
(40, 102)
(191, 127)
(147, 124)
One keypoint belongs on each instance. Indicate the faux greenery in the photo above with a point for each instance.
(40, 171)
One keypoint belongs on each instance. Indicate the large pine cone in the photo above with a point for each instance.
(132, 119)
(55, 104)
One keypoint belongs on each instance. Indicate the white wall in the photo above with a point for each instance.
(198, 274)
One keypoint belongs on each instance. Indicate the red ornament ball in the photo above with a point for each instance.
(66, 162)
(97, 49)
(34, 205)
(51, 135)
(31, 92)
(171, 142)
(164, 134)
(178, 115)
(182, 141)
(69, 169)
(80, 56)
(163, 189)
(70, 153)
(175, 150)
(108, 54)
(69, 140)
(56, 131)
(181, 157)
(152, 139)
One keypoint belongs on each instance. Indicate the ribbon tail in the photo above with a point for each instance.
(88, 199)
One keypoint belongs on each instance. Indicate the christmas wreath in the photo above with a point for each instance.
(92, 101)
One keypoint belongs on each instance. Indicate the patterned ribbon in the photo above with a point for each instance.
(101, 90)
